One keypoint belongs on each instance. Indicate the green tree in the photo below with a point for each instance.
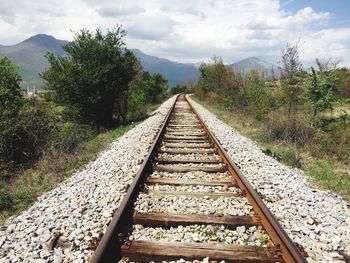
(154, 85)
(11, 102)
(256, 95)
(218, 79)
(93, 78)
(343, 84)
(291, 71)
(320, 88)
(144, 89)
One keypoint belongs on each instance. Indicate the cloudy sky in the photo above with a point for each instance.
(193, 30)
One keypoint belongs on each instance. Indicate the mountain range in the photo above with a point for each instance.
(260, 65)
(29, 55)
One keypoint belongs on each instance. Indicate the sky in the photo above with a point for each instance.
(193, 30)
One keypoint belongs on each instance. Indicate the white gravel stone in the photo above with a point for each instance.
(196, 156)
(318, 220)
(170, 204)
(82, 205)
(202, 234)
(194, 188)
(199, 175)
(216, 165)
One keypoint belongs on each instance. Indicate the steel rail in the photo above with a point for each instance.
(283, 244)
(108, 249)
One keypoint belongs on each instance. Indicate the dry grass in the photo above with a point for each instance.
(17, 194)
(327, 169)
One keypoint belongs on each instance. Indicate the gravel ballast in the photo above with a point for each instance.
(197, 175)
(80, 208)
(318, 220)
(194, 188)
(77, 212)
(252, 236)
(169, 204)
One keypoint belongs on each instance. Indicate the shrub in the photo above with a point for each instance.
(323, 173)
(286, 155)
(26, 138)
(6, 200)
(299, 132)
(320, 170)
(93, 78)
(12, 201)
(68, 136)
(332, 144)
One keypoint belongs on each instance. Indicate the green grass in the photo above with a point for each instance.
(17, 194)
(286, 155)
(326, 169)
(326, 175)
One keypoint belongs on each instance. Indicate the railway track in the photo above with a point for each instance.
(189, 201)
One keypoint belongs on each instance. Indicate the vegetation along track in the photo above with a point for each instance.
(189, 201)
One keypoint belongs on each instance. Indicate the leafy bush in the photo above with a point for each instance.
(67, 136)
(24, 128)
(6, 200)
(93, 78)
(323, 173)
(332, 144)
(286, 155)
(27, 137)
(283, 130)
(320, 88)
(11, 201)
(145, 89)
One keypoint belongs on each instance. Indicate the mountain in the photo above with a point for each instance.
(175, 73)
(29, 55)
(248, 64)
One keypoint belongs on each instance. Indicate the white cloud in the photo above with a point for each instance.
(184, 30)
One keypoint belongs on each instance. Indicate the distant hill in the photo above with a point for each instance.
(248, 64)
(176, 73)
(29, 56)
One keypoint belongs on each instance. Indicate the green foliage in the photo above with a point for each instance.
(280, 129)
(68, 136)
(255, 92)
(286, 155)
(178, 89)
(320, 88)
(187, 87)
(5, 199)
(320, 170)
(334, 143)
(215, 77)
(323, 173)
(291, 81)
(11, 102)
(10, 92)
(144, 89)
(93, 79)
(342, 89)
(12, 201)
(279, 112)
(27, 136)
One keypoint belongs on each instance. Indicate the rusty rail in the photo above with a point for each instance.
(110, 248)
(283, 244)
